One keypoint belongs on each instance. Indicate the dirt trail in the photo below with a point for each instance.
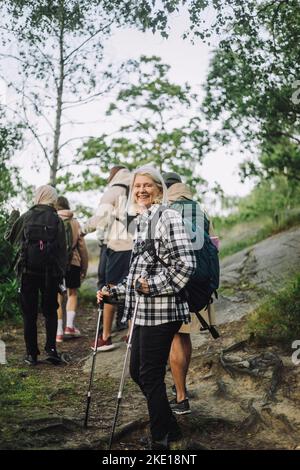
(245, 398)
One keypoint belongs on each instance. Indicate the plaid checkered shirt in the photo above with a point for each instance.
(172, 244)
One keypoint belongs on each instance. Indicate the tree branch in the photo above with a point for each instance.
(50, 64)
(10, 56)
(284, 134)
(83, 101)
(32, 130)
(75, 138)
(266, 6)
(81, 123)
(23, 94)
(36, 136)
(86, 41)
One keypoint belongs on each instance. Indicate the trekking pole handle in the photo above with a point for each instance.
(105, 292)
(138, 284)
(105, 289)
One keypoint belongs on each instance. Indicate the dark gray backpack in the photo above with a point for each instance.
(39, 250)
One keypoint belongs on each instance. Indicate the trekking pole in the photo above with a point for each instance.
(124, 367)
(100, 311)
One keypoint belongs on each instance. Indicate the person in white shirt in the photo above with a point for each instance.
(111, 223)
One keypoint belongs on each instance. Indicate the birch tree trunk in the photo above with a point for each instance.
(58, 112)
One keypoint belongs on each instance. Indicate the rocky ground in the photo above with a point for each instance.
(243, 396)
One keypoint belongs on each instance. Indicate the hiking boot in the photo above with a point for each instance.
(59, 338)
(72, 332)
(30, 360)
(103, 345)
(53, 357)
(174, 392)
(181, 407)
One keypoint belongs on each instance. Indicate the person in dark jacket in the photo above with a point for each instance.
(34, 280)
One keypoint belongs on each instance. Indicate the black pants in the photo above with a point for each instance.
(149, 355)
(31, 285)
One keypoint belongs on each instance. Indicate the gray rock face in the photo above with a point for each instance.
(256, 271)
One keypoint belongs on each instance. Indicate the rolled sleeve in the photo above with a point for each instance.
(103, 215)
(120, 289)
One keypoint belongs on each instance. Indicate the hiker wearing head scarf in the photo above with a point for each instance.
(39, 235)
(161, 309)
(45, 195)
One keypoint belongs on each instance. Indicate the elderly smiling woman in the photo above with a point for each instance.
(161, 310)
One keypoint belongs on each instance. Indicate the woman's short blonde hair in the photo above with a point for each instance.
(156, 177)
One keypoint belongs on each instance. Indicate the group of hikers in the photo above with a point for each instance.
(147, 256)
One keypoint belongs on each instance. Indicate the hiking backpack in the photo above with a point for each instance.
(39, 242)
(204, 282)
(69, 241)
